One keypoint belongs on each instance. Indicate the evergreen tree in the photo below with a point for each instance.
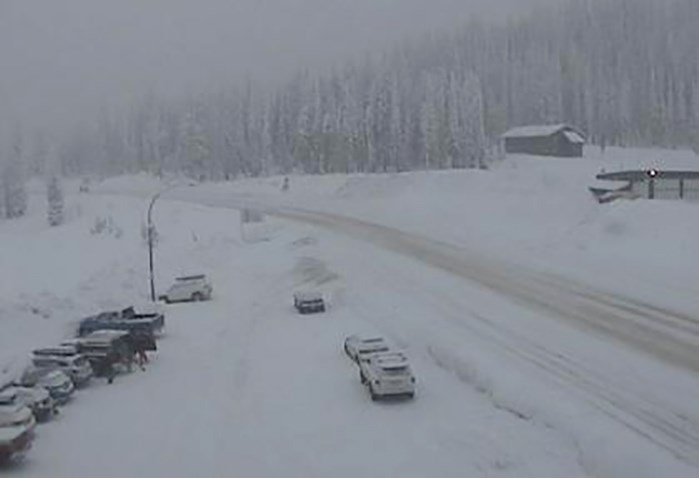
(13, 190)
(54, 196)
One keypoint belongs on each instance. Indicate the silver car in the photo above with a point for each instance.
(75, 366)
(58, 384)
(37, 399)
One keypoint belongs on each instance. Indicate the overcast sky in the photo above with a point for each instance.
(63, 59)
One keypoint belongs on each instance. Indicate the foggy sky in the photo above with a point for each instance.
(65, 59)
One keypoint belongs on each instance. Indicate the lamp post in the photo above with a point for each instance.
(155, 197)
(150, 244)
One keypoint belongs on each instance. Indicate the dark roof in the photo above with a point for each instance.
(643, 175)
(536, 131)
(189, 278)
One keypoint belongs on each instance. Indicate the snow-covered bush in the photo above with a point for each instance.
(106, 225)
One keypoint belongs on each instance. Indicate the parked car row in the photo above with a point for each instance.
(384, 371)
(105, 345)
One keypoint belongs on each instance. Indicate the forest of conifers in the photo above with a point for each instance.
(626, 72)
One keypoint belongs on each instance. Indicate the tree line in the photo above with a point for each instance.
(626, 72)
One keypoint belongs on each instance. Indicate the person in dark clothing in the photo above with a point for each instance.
(140, 343)
(111, 372)
(105, 368)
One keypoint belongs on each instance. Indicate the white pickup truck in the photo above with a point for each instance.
(387, 374)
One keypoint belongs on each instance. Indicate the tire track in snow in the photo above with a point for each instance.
(653, 330)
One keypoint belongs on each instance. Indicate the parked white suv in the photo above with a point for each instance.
(188, 288)
(359, 348)
(387, 374)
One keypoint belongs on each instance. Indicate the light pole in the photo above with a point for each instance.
(150, 234)
(150, 244)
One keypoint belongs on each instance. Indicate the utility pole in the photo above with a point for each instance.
(150, 244)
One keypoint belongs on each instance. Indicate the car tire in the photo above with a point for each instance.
(374, 396)
(362, 378)
(197, 297)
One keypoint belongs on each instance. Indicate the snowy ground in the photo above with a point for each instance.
(548, 335)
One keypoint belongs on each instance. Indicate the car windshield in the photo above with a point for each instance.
(7, 398)
(182, 286)
(395, 370)
(44, 362)
(373, 350)
(190, 279)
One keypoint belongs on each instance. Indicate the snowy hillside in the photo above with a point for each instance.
(549, 335)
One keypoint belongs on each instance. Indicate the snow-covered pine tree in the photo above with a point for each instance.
(396, 136)
(14, 194)
(2, 195)
(428, 122)
(473, 116)
(695, 117)
(194, 151)
(54, 196)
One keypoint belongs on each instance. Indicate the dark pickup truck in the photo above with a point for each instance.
(128, 319)
(105, 349)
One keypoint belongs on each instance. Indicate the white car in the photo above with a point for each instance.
(76, 366)
(189, 289)
(360, 348)
(16, 429)
(37, 399)
(58, 384)
(387, 374)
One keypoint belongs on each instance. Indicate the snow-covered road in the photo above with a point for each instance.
(598, 361)
(636, 397)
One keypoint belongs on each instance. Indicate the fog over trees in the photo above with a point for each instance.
(624, 71)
